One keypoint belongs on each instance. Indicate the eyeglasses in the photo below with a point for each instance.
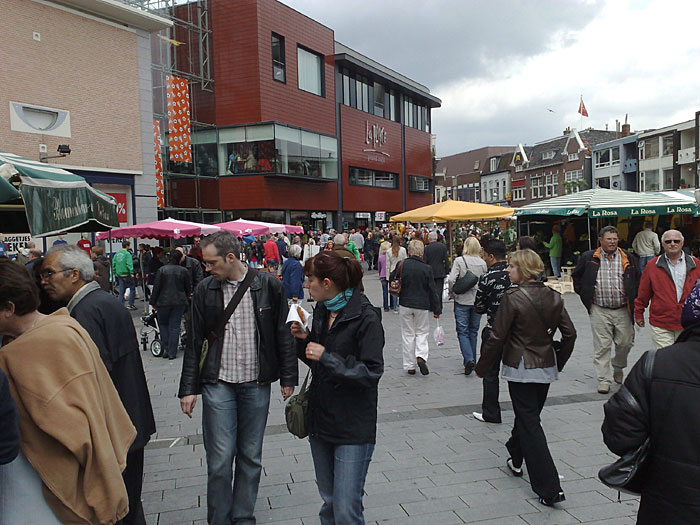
(675, 241)
(46, 274)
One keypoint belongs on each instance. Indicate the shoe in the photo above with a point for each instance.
(131, 307)
(164, 355)
(549, 502)
(480, 417)
(396, 312)
(469, 368)
(171, 357)
(411, 372)
(603, 388)
(618, 376)
(516, 471)
(423, 366)
(386, 309)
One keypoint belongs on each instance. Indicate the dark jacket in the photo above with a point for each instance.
(194, 267)
(343, 393)
(172, 286)
(276, 356)
(281, 247)
(293, 278)
(102, 267)
(153, 266)
(111, 328)
(586, 274)
(435, 256)
(492, 285)
(519, 332)
(417, 286)
(343, 251)
(667, 410)
(9, 429)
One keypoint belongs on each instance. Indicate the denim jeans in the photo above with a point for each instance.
(467, 321)
(169, 318)
(385, 292)
(233, 424)
(394, 303)
(643, 260)
(125, 282)
(556, 265)
(340, 475)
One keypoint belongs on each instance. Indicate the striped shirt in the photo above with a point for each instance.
(239, 355)
(609, 288)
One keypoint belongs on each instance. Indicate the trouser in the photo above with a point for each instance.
(187, 315)
(643, 260)
(233, 424)
(133, 480)
(528, 442)
(556, 265)
(415, 325)
(467, 321)
(490, 407)
(394, 303)
(385, 293)
(610, 325)
(341, 471)
(663, 337)
(126, 281)
(169, 318)
(439, 286)
(369, 259)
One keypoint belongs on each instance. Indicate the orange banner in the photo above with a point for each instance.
(179, 138)
(160, 192)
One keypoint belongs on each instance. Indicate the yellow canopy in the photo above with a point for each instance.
(453, 211)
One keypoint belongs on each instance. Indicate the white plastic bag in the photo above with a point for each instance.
(439, 334)
(446, 292)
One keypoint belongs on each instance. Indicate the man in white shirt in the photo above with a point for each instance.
(646, 245)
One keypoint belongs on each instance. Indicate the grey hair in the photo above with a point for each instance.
(663, 237)
(72, 257)
(224, 242)
(432, 236)
(295, 251)
(339, 239)
(416, 248)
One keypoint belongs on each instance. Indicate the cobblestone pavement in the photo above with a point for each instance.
(434, 463)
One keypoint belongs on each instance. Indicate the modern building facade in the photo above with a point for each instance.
(667, 157)
(615, 163)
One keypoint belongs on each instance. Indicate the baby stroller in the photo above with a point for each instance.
(150, 328)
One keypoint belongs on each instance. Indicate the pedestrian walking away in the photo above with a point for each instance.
(524, 327)
(555, 245)
(123, 268)
(394, 256)
(293, 275)
(646, 245)
(606, 280)
(344, 352)
(436, 256)
(233, 371)
(382, 268)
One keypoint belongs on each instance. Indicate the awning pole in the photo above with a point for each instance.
(588, 221)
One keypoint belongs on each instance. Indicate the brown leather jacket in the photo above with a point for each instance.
(518, 330)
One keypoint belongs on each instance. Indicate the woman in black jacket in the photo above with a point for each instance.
(344, 352)
(664, 408)
(171, 291)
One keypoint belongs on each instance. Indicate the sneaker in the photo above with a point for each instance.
(603, 388)
(131, 307)
(411, 372)
(396, 312)
(549, 502)
(618, 376)
(480, 417)
(469, 368)
(423, 366)
(516, 471)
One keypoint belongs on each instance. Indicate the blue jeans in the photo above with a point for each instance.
(340, 475)
(556, 265)
(394, 303)
(385, 292)
(233, 423)
(643, 260)
(169, 318)
(467, 321)
(125, 282)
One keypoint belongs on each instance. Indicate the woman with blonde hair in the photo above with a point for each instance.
(466, 318)
(527, 319)
(394, 256)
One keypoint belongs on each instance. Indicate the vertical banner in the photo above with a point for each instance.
(179, 138)
(160, 191)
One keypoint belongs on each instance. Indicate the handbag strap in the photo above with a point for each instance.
(233, 303)
(550, 331)
(303, 386)
(400, 267)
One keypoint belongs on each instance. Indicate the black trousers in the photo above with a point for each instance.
(528, 442)
(439, 284)
(490, 407)
(133, 479)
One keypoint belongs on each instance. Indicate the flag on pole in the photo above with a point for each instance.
(582, 108)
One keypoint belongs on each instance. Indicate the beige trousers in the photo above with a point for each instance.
(610, 326)
(663, 337)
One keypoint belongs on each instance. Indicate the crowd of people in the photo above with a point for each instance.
(76, 413)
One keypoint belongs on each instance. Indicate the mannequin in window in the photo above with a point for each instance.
(84, 244)
(60, 240)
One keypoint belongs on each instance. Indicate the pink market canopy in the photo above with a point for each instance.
(271, 227)
(241, 227)
(165, 229)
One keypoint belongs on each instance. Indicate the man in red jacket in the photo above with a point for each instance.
(666, 282)
(272, 254)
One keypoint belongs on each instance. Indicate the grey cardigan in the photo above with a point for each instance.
(459, 268)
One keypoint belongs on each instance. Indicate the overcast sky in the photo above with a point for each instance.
(500, 66)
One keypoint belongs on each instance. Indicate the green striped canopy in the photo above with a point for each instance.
(601, 203)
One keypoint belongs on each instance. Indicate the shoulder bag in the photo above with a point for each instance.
(395, 284)
(296, 411)
(466, 282)
(218, 330)
(627, 473)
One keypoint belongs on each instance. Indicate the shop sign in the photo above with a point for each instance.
(121, 207)
(379, 215)
(15, 242)
(318, 215)
(375, 137)
(363, 215)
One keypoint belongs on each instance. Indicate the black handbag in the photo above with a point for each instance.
(296, 411)
(465, 283)
(627, 473)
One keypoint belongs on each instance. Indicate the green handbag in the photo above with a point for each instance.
(296, 411)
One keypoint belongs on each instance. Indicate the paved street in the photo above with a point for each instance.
(434, 463)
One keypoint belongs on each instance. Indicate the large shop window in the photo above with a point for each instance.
(278, 59)
(310, 67)
(377, 179)
(419, 183)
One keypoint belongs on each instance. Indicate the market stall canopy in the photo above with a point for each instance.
(165, 229)
(453, 211)
(58, 201)
(601, 203)
(276, 228)
(241, 227)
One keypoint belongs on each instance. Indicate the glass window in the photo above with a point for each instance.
(667, 145)
(278, 58)
(205, 154)
(418, 183)
(668, 179)
(494, 164)
(615, 155)
(310, 67)
(602, 158)
(311, 154)
(288, 150)
(651, 179)
(249, 149)
(329, 157)
(392, 106)
(378, 99)
(379, 179)
(651, 149)
(346, 88)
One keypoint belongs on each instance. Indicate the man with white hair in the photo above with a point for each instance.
(666, 282)
(67, 276)
(435, 255)
(339, 242)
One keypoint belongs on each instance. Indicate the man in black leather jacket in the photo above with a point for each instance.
(235, 373)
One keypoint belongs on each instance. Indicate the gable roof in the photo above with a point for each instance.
(586, 139)
(463, 163)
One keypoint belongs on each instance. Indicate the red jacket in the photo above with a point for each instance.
(273, 254)
(658, 287)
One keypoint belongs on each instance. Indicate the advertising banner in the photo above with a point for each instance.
(179, 138)
(160, 188)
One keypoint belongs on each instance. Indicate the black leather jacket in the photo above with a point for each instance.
(418, 286)
(276, 351)
(172, 286)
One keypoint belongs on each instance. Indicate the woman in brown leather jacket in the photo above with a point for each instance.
(525, 323)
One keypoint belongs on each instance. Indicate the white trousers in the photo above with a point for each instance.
(662, 337)
(415, 327)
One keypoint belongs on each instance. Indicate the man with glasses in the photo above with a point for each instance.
(606, 280)
(666, 282)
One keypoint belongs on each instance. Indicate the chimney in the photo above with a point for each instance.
(626, 130)
(567, 130)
